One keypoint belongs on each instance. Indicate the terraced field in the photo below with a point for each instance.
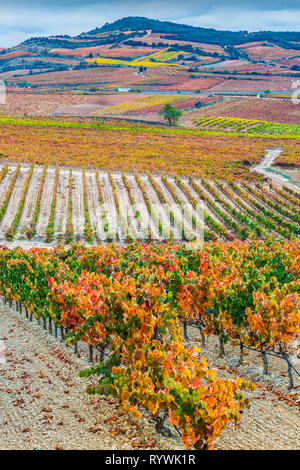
(52, 204)
(251, 126)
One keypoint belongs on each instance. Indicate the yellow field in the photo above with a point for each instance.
(161, 56)
(142, 62)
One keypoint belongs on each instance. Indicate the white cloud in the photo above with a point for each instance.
(250, 20)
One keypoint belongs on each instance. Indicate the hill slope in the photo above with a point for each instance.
(141, 44)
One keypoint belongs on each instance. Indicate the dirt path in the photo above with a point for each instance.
(78, 205)
(45, 207)
(5, 183)
(94, 205)
(110, 206)
(61, 210)
(278, 178)
(29, 204)
(271, 155)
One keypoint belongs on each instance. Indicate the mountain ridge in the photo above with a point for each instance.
(155, 53)
(180, 31)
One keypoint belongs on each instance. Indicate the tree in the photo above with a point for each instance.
(170, 113)
(198, 104)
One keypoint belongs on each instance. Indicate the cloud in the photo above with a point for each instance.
(20, 20)
(251, 20)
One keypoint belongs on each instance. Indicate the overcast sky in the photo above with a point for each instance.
(22, 19)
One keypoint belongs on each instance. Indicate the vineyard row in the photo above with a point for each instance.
(132, 301)
(59, 204)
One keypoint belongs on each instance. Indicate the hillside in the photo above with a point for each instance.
(156, 55)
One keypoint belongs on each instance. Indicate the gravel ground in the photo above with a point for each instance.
(273, 420)
(43, 404)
